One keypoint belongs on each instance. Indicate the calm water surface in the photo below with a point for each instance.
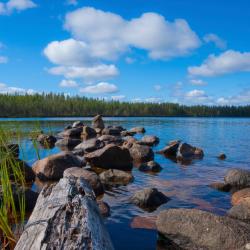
(187, 186)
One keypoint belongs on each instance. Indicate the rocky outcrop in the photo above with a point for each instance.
(149, 199)
(97, 122)
(141, 153)
(91, 177)
(114, 177)
(53, 166)
(150, 166)
(149, 140)
(195, 229)
(110, 157)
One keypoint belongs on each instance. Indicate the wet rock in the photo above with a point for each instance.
(139, 130)
(110, 157)
(108, 139)
(73, 132)
(53, 166)
(195, 229)
(104, 208)
(77, 124)
(241, 211)
(141, 153)
(149, 140)
(221, 186)
(98, 122)
(46, 140)
(91, 177)
(186, 152)
(170, 149)
(222, 156)
(239, 178)
(68, 143)
(240, 196)
(116, 177)
(12, 149)
(149, 199)
(111, 131)
(88, 132)
(90, 145)
(150, 166)
(139, 222)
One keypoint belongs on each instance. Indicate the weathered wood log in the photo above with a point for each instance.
(66, 216)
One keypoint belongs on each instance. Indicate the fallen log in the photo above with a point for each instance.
(66, 216)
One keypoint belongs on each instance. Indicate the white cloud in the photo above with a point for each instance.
(100, 88)
(66, 83)
(3, 59)
(147, 100)
(196, 94)
(5, 89)
(228, 62)
(242, 98)
(15, 5)
(89, 74)
(198, 82)
(118, 97)
(109, 35)
(219, 43)
(157, 87)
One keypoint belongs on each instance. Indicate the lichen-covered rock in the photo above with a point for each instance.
(195, 229)
(238, 178)
(110, 157)
(141, 153)
(150, 166)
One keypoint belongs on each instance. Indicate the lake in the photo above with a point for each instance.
(187, 186)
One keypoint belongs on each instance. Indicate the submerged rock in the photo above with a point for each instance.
(222, 156)
(116, 177)
(110, 157)
(98, 122)
(239, 178)
(149, 199)
(195, 229)
(149, 140)
(53, 166)
(150, 166)
(141, 153)
(91, 177)
(104, 208)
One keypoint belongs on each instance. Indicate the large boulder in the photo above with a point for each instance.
(108, 139)
(116, 131)
(90, 145)
(195, 229)
(97, 122)
(149, 199)
(53, 166)
(110, 157)
(88, 132)
(240, 196)
(149, 140)
(150, 166)
(141, 153)
(91, 177)
(188, 152)
(73, 132)
(139, 130)
(77, 124)
(170, 149)
(239, 178)
(68, 143)
(116, 177)
(46, 140)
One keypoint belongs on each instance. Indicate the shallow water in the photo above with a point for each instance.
(187, 186)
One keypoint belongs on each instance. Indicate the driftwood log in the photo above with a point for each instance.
(66, 216)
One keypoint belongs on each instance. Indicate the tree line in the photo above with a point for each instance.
(52, 105)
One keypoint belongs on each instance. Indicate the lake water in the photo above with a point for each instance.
(187, 186)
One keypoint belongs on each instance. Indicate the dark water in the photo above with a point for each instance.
(187, 186)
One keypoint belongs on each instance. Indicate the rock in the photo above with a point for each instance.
(141, 153)
(240, 196)
(170, 149)
(46, 140)
(88, 132)
(186, 152)
(195, 229)
(116, 177)
(222, 156)
(139, 130)
(108, 139)
(241, 211)
(104, 208)
(221, 186)
(150, 166)
(90, 145)
(91, 177)
(68, 127)
(149, 199)
(239, 178)
(77, 124)
(127, 133)
(111, 131)
(98, 122)
(68, 143)
(110, 157)
(149, 140)
(73, 132)
(139, 222)
(53, 166)
(12, 149)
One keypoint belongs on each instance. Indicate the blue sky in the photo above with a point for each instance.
(191, 52)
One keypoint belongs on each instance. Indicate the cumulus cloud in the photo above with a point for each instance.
(100, 88)
(197, 82)
(219, 43)
(110, 35)
(5, 89)
(66, 83)
(243, 98)
(15, 5)
(228, 62)
(3, 59)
